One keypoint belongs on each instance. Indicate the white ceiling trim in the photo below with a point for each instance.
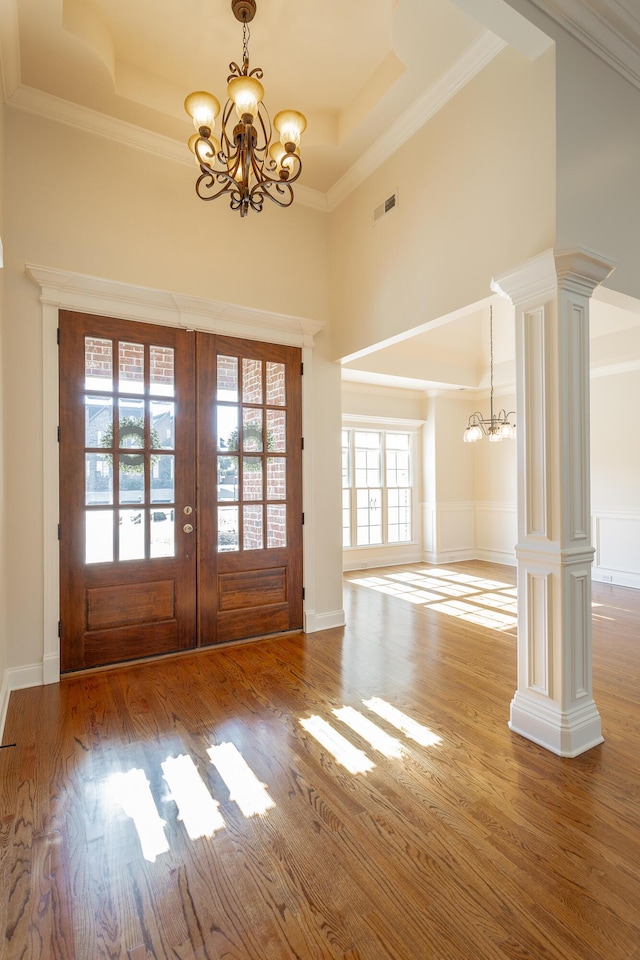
(592, 23)
(49, 107)
(475, 58)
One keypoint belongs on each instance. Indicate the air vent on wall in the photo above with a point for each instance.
(385, 207)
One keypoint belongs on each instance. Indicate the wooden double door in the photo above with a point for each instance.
(180, 490)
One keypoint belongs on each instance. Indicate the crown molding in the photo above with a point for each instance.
(473, 60)
(608, 28)
(42, 104)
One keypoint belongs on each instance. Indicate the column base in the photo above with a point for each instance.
(566, 734)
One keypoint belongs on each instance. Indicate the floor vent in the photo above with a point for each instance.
(385, 207)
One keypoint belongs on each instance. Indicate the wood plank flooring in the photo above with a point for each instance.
(473, 843)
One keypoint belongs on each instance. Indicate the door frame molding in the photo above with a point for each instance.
(66, 290)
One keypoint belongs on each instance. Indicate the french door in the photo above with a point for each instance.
(180, 490)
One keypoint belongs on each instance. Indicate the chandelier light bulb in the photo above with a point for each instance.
(246, 93)
(203, 108)
(290, 124)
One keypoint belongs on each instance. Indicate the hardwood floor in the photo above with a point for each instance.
(472, 843)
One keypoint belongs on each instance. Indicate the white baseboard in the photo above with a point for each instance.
(389, 560)
(497, 556)
(450, 556)
(323, 621)
(17, 678)
(616, 577)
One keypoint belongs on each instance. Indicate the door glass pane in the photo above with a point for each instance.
(227, 529)
(253, 536)
(276, 478)
(252, 478)
(161, 373)
(131, 424)
(251, 429)
(162, 424)
(227, 478)
(131, 480)
(227, 428)
(227, 378)
(98, 478)
(98, 364)
(276, 431)
(276, 395)
(98, 422)
(163, 478)
(131, 535)
(162, 533)
(276, 525)
(98, 536)
(251, 381)
(131, 367)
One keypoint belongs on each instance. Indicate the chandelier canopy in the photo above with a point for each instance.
(497, 426)
(245, 164)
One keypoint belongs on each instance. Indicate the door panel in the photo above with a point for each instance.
(148, 416)
(127, 568)
(250, 468)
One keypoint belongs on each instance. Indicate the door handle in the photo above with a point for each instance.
(188, 528)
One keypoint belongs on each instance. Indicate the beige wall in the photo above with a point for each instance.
(598, 162)
(110, 211)
(476, 195)
(615, 443)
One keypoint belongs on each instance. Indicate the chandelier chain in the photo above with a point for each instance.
(246, 36)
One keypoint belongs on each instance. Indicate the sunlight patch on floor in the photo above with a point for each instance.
(200, 813)
(493, 603)
(410, 728)
(389, 746)
(243, 785)
(196, 807)
(132, 791)
(343, 752)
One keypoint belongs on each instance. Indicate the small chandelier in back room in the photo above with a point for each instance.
(496, 426)
(244, 164)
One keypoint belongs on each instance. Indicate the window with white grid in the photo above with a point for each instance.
(376, 487)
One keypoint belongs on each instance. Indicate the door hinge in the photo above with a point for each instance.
(302, 369)
(59, 628)
(303, 519)
(58, 336)
(58, 434)
(303, 593)
(59, 532)
(302, 443)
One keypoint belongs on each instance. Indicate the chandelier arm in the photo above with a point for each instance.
(206, 184)
(280, 186)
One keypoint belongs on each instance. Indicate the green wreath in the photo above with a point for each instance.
(130, 427)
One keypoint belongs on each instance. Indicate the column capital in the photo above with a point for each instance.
(539, 278)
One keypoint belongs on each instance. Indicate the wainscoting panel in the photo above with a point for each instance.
(616, 538)
(496, 531)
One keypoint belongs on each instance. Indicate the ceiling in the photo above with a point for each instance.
(366, 73)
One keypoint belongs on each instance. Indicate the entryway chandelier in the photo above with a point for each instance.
(244, 164)
(496, 426)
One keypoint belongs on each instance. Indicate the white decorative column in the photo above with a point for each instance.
(553, 704)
